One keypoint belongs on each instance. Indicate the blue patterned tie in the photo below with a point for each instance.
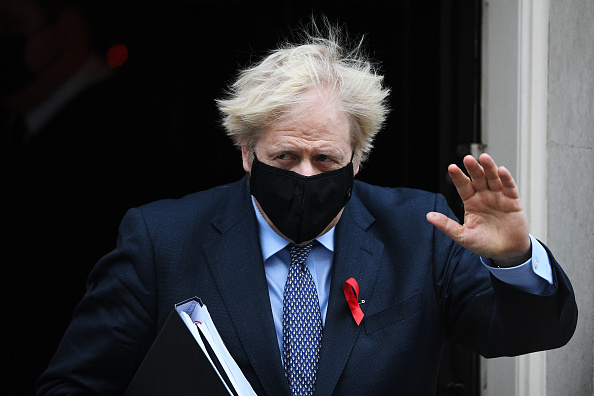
(302, 324)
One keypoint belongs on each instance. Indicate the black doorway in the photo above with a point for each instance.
(429, 53)
(182, 53)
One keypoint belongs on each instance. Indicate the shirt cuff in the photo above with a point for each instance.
(535, 276)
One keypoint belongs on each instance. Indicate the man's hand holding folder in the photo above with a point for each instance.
(190, 358)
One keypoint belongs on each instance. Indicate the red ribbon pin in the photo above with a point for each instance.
(351, 293)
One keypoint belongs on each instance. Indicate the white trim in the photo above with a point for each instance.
(531, 369)
(514, 101)
(533, 112)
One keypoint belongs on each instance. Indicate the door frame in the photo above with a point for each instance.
(514, 129)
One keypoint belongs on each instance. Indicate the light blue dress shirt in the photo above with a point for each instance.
(528, 276)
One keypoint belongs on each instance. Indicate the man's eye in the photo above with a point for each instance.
(284, 157)
(323, 158)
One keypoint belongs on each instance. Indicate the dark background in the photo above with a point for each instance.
(182, 55)
(428, 52)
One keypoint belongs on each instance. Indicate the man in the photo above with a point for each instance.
(288, 236)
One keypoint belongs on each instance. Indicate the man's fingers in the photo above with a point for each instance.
(446, 225)
(463, 184)
(499, 178)
(476, 173)
(491, 173)
(509, 186)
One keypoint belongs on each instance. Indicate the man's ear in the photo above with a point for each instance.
(245, 156)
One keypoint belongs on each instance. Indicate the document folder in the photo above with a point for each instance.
(179, 361)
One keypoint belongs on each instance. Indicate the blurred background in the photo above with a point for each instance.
(106, 105)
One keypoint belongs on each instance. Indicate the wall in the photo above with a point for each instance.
(570, 147)
(538, 119)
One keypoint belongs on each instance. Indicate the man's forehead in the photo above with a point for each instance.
(299, 132)
(290, 145)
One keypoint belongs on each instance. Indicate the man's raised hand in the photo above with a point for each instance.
(495, 225)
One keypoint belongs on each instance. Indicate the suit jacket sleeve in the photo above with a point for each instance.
(114, 325)
(499, 320)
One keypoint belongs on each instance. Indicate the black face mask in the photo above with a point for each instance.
(14, 73)
(301, 207)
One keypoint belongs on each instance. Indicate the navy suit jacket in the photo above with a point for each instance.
(419, 287)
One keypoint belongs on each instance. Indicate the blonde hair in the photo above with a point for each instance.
(265, 93)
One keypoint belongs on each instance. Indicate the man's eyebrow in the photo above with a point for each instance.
(284, 147)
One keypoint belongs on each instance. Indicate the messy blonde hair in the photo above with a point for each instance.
(265, 92)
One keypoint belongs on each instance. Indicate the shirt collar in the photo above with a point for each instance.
(271, 243)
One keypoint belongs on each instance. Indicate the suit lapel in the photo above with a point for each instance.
(357, 255)
(236, 263)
